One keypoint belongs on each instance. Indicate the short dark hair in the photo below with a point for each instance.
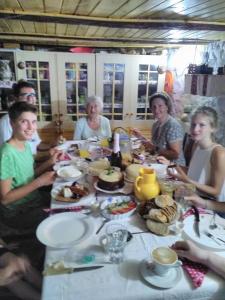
(165, 97)
(18, 108)
(21, 84)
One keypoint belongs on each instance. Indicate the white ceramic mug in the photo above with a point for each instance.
(164, 259)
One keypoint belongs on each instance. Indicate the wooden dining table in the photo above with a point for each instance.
(122, 281)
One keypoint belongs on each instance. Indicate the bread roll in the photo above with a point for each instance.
(157, 228)
(157, 215)
(164, 201)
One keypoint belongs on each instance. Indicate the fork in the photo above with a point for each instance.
(212, 237)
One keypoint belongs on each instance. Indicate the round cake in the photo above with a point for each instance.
(132, 171)
(110, 180)
(96, 167)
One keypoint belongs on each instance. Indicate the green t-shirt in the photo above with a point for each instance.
(18, 165)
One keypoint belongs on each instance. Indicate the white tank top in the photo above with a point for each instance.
(200, 168)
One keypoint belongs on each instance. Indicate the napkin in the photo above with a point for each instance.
(195, 271)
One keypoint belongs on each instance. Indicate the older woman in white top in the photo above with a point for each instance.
(94, 125)
(206, 170)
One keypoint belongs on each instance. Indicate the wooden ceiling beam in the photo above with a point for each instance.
(112, 22)
(96, 41)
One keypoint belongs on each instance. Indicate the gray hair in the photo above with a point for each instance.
(96, 99)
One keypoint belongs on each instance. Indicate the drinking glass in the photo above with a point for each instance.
(116, 240)
(83, 150)
(166, 187)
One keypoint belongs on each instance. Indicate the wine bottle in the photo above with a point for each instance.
(116, 157)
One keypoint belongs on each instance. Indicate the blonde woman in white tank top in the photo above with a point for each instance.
(207, 166)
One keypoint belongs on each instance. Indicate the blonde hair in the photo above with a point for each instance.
(208, 112)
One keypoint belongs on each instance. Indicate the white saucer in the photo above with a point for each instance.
(165, 282)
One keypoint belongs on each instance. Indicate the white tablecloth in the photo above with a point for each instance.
(122, 281)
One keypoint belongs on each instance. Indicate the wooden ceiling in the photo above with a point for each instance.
(112, 23)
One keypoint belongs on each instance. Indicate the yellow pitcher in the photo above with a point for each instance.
(146, 186)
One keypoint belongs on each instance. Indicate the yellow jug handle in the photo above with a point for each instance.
(136, 183)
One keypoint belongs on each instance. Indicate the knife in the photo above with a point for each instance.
(65, 209)
(197, 221)
(50, 270)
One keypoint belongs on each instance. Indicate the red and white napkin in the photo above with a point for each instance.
(195, 271)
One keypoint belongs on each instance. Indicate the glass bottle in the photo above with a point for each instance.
(116, 157)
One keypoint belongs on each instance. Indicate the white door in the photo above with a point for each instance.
(146, 81)
(125, 82)
(40, 69)
(113, 74)
(76, 81)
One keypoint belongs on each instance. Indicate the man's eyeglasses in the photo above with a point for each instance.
(26, 95)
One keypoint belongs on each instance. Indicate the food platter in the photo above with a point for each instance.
(120, 207)
(57, 194)
(64, 230)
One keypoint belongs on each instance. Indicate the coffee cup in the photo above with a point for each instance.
(164, 259)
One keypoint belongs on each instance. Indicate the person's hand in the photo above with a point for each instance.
(188, 249)
(55, 155)
(162, 160)
(137, 133)
(12, 268)
(148, 145)
(179, 175)
(196, 200)
(46, 178)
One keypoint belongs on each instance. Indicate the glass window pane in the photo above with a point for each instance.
(143, 67)
(70, 74)
(154, 76)
(119, 67)
(43, 64)
(45, 92)
(108, 67)
(153, 68)
(118, 117)
(152, 88)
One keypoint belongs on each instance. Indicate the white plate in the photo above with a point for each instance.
(61, 164)
(116, 200)
(166, 282)
(204, 240)
(64, 230)
(126, 189)
(64, 173)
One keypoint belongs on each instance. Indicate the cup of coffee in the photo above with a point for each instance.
(164, 259)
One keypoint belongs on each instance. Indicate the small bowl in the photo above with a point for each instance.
(69, 173)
